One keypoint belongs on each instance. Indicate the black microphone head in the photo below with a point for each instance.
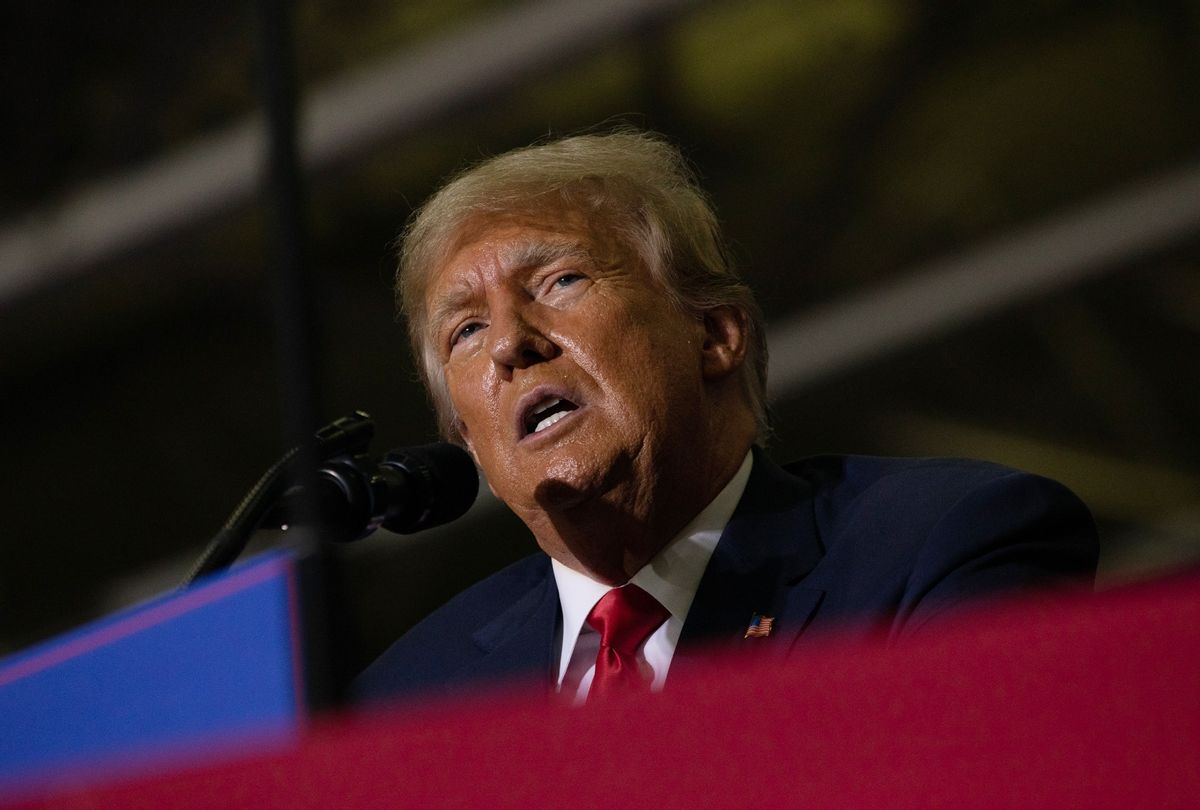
(442, 483)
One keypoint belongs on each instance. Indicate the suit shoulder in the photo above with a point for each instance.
(914, 537)
(904, 499)
(841, 482)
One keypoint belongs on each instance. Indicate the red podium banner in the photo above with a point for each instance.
(1080, 702)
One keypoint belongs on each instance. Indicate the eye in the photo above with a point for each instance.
(466, 331)
(561, 281)
(566, 280)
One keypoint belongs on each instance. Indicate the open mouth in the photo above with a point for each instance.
(546, 413)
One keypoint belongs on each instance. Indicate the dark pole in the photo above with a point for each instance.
(293, 298)
(292, 284)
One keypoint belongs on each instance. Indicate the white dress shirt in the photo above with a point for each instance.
(671, 577)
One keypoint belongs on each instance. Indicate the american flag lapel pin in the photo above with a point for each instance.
(760, 626)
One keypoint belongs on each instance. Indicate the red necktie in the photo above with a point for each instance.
(624, 617)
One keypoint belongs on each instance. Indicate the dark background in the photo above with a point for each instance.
(849, 146)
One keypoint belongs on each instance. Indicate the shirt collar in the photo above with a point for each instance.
(672, 576)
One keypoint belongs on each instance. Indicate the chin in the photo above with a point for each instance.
(570, 481)
(555, 495)
(565, 482)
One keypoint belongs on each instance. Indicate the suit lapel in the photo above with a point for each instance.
(770, 544)
(519, 642)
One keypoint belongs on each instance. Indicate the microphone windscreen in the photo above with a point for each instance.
(441, 481)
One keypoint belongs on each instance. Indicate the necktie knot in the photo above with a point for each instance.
(624, 617)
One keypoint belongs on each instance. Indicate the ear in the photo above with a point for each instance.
(469, 447)
(461, 429)
(726, 333)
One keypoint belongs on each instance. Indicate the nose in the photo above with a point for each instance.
(515, 342)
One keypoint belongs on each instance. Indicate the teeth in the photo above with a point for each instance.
(550, 420)
(547, 406)
(547, 413)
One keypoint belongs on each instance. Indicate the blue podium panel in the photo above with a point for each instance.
(216, 665)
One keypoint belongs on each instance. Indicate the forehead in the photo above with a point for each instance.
(491, 250)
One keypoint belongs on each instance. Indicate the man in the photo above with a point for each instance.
(582, 334)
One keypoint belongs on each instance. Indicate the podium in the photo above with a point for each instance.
(221, 665)
(1070, 702)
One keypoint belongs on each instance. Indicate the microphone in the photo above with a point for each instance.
(427, 486)
(410, 490)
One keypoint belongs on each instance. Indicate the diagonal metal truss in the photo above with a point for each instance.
(348, 116)
(341, 119)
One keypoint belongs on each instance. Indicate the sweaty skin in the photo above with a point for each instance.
(540, 317)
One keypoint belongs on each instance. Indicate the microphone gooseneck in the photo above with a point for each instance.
(410, 490)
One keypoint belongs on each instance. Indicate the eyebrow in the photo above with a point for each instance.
(528, 254)
(513, 258)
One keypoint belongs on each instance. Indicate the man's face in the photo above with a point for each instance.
(572, 375)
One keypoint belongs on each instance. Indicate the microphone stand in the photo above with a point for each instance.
(348, 435)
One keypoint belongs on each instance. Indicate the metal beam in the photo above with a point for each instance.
(348, 116)
(342, 118)
(1051, 255)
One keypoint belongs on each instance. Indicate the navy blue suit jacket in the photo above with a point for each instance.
(857, 544)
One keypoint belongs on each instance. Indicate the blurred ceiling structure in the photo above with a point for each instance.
(973, 227)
